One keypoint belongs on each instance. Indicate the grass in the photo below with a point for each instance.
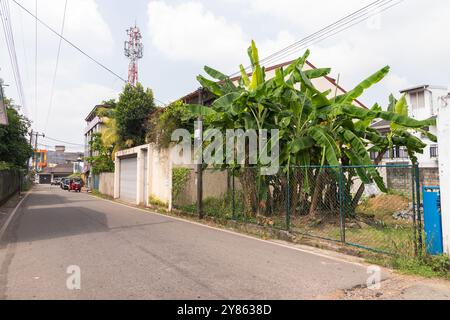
(427, 266)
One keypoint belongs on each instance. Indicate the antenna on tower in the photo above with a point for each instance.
(134, 50)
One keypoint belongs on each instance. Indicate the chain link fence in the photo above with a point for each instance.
(331, 203)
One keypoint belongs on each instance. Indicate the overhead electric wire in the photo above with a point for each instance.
(69, 42)
(56, 67)
(10, 44)
(340, 25)
(326, 36)
(36, 63)
(62, 141)
(75, 46)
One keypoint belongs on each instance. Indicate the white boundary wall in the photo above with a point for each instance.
(159, 174)
(444, 170)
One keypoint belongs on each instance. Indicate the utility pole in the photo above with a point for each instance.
(198, 135)
(36, 135)
(3, 114)
(31, 145)
(134, 50)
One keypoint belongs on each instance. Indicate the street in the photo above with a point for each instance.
(126, 253)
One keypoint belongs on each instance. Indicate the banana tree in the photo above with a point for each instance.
(315, 128)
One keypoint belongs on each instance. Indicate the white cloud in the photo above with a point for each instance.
(86, 28)
(71, 106)
(189, 32)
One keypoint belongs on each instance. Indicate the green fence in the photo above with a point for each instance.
(331, 203)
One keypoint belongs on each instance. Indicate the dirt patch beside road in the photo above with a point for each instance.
(397, 287)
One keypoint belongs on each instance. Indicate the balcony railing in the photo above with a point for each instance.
(395, 153)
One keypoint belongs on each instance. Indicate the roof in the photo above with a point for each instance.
(60, 169)
(423, 87)
(381, 124)
(93, 112)
(277, 66)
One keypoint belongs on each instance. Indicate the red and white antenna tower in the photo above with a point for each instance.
(134, 50)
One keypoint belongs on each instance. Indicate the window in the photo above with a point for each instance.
(417, 99)
(434, 151)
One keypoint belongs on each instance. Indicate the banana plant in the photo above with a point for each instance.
(316, 128)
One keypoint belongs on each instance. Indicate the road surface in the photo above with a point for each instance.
(126, 253)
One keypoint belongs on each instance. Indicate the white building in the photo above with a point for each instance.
(94, 124)
(423, 102)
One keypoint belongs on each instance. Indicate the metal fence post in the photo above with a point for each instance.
(414, 207)
(419, 215)
(341, 204)
(233, 194)
(288, 200)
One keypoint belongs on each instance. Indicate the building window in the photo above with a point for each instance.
(417, 99)
(434, 151)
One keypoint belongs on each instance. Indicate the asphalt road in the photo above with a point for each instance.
(125, 253)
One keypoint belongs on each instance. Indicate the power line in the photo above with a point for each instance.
(62, 141)
(340, 25)
(75, 46)
(10, 43)
(69, 42)
(36, 64)
(56, 67)
(352, 22)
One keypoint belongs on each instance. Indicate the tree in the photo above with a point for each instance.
(15, 148)
(109, 134)
(133, 109)
(316, 128)
(101, 160)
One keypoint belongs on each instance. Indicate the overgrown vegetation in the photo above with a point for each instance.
(180, 177)
(101, 160)
(425, 266)
(131, 114)
(316, 128)
(15, 149)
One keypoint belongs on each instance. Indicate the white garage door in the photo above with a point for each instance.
(128, 176)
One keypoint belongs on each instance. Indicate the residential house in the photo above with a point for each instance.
(60, 156)
(94, 124)
(60, 171)
(423, 102)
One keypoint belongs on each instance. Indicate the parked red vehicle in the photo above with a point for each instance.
(75, 185)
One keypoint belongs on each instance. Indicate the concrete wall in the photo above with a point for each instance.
(215, 185)
(106, 184)
(9, 184)
(159, 177)
(444, 170)
(158, 181)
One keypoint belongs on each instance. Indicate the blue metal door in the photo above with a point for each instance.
(433, 220)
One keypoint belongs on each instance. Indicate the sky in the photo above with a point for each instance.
(180, 37)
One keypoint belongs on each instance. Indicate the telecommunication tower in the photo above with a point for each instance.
(134, 50)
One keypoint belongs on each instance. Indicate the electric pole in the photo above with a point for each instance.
(36, 135)
(199, 136)
(3, 114)
(134, 50)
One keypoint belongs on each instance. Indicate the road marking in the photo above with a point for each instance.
(292, 247)
(11, 216)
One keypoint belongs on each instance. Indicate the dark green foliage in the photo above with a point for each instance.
(132, 112)
(101, 160)
(15, 149)
(165, 121)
